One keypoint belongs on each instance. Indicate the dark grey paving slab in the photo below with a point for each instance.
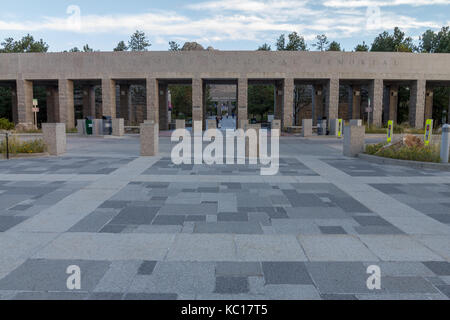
(238, 269)
(332, 230)
(147, 267)
(231, 285)
(440, 268)
(166, 220)
(7, 222)
(55, 296)
(150, 296)
(136, 216)
(286, 273)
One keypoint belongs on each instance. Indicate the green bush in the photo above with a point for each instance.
(374, 148)
(5, 124)
(29, 147)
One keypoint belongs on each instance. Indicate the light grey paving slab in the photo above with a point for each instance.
(108, 247)
(407, 285)
(292, 292)
(335, 248)
(399, 248)
(202, 247)
(119, 276)
(268, 248)
(52, 296)
(438, 244)
(228, 228)
(177, 277)
(402, 269)
(404, 296)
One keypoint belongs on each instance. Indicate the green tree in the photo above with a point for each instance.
(181, 101)
(334, 46)
(362, 47)
(86, 48)
(260, 100)
(321, 43)
(121, 46)
(265, 47)
(432, 42)
(295, 43)
(173, 46)
(74, 49)
(26, 44)
(139, 42)
(396, 42)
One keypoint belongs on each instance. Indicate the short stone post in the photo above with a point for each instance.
(334, 127)
(212, 124)
(180, 124)
(55, 138)
(81, 127)
(445, 143)
(354, 140)
(356, 122)
(242, 124)
(307, 127)
(276, 124)
(149, 139)
(118, 127)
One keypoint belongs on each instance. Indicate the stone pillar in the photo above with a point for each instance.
(109, 98)
(25, 102)
(242, 100)
(163, 107)
(376, 101)
(52, 104)
(317, 102)
(307, 125)
(417, 104)
(251, 148)
(197, 100)
(66, 113)
(89, 101)
(15, 113)
(124, 106)
(445, 143)
(356, 122)
(288, 103)
(355, 102)
(332, 99)
(354, 140)
(54, 135)
(152, 100)
(429, 96)
(276, 125)
(393, 102)
(279, 100)
(149, 139)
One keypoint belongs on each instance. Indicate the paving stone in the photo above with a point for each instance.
(94, 221)
(371, 221)
(105, 296)
(238, 269)
(147, 267)
(55, 296)
(407, 285)
(135, 215)
(440, 268)
(332, 230)
(286, 273)
(167, 220)
(231, 285)
(228, 227)
(7, 222)
(336, 297)
(151, 296)
(445, 290)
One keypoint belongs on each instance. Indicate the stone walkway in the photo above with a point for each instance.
(143, 228)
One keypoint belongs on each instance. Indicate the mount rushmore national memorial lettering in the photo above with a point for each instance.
(380, 73)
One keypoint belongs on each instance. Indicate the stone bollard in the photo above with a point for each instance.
(307, 127)
(180, 124)
(356, 122)
(81, 127)
(276, 124)
(149, 139)
(334, 127)
(55, 138)
(445, 143)
(354, 140)
(212, 124)
(118, 127)
(252, 148)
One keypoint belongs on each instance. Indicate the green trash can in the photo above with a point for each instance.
(89, 127)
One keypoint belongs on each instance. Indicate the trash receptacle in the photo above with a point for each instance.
(107, 125)
(89, 126)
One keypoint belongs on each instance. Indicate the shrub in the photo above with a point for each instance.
(5, 124)
(28, 147)
(413, 153)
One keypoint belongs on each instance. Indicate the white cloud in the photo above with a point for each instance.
(236, 20)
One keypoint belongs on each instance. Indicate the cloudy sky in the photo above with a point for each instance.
(223, 24)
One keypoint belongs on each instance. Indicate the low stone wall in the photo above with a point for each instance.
(405, 163)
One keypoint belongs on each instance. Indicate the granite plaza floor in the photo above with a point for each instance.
(143, 228)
